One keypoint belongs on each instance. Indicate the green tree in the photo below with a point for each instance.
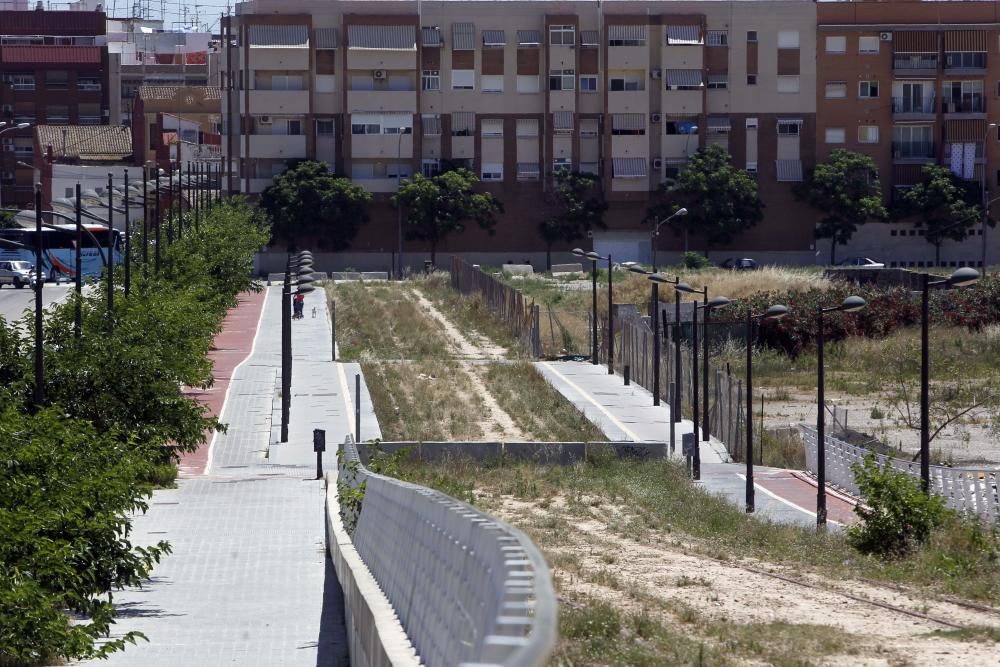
(580, 208)
(722, 201)
(7, 220)
(847, 190)
(310, 201)
(439, 206)
(944, 205)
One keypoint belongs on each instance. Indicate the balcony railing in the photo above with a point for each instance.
(88, 85)
(901, 105)
(920, 150)
(22, 85)
(57, 119)
(905, 62)
(965, 104)
(90, 120)
(24, 151)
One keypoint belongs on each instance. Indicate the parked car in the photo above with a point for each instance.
(866, 262)
(742, 264)
(16, 273)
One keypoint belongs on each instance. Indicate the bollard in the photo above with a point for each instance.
(357, 407)
(673, 433)
(319, 446)
(333, 330)
(687, 446)
(627, 370)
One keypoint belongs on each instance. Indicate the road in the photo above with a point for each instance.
(14, 301)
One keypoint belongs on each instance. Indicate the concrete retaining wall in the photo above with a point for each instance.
(552, 453)
(467, 588)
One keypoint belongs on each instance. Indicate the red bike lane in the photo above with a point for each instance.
(229, 349)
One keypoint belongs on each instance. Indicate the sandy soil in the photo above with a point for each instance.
(667, 570)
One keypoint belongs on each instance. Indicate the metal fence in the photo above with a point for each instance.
(971, 490)
(467, 588)
(506, 303)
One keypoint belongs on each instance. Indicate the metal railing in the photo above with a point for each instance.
(901, 105)
(926, 61)
(966, 104)
(506, 303)
(467, 588)
(968, 490)
(913, 149)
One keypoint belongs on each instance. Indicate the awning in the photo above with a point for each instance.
(494, 38)
(628, 121)
(382, 37)
(430, 124)
(915, 41)
(965, 130)
(683, 77)
(965, 40)
(430, 37)
(527, 170)
(463, 121)
(397, 119)
(279, 36)
(627, 32)
(463, 36)
(789, 170)
(789, 121)
(529, 37)
(590, 38)
(628, 167)
(562, 120)
(326, 38)
(684, 34)
(491, 127)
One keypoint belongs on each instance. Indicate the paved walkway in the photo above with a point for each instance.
(249, 581)
(627, 413)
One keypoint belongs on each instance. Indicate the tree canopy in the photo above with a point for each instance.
(579, 208)
(722, 201)
(847, 190)
(944, 205)
(308, 200)
(440, 206)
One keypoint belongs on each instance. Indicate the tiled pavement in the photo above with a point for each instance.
(627, 413)
(248, 581)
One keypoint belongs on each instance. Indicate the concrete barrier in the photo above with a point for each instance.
(359, 275)
(468, 589)
(275, 278)
(518, 269)
(566, 268)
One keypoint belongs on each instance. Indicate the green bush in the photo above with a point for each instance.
(897, 516)
(695, 260)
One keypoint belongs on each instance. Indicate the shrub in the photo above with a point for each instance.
(695, 260)
(899, 516)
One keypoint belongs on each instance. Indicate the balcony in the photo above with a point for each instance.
(277, 146)
(375, 146)
(90, 120)
(967, 104)
(378, 184)
(908, 108)
(917, 151)
(57, 119)
(381, 100)
(628, 101)
(88, 85)
(279, 102)
(915, 64)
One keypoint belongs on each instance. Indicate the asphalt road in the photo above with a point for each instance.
(13, 302)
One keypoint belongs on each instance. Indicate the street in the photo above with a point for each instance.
(13, 302)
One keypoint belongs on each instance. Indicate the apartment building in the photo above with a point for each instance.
(912, 83)
(518, 89)
(53, 71)
(177, 124)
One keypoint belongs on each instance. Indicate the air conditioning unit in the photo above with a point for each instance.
(657, 163)
(264, 120)
(885, 36)
(655, 117)
(379, 75)
(655, 73)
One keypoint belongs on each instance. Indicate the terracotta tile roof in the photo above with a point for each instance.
(86, 142)
(181, 99)
(86, 55)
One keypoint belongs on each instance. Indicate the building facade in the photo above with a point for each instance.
(53, 70)
(624, 90)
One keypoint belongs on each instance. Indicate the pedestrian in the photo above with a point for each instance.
(299, 305)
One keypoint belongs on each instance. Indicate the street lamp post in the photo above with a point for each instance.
(78, 314)
(399, 207)
(960, 278)
(128, 239)
(655, 280)
(594, 257)
(111, 257)
(656, 231)
(985, 194)
(593, 317)
(301, 264)
(851, 304)
(159, 217)
(775, 312)
(38, 394)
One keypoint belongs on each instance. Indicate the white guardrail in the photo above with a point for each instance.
(468, 589)
(971, 490)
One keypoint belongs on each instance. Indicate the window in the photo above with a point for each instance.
(527, 171)
(527, 128)
(379, 123)
(562, 79)
(628, 124)
(287, 82)
(836, 89)
(687, 126)
(463, 79)
(325, 83)
(430, 124)
(324, 127)
(590, 168)
(868, 45)
(431, 80)
(911, 141)
(868, 89)
(836, 44)
(788, 39)
(789, 128)
(627, 35)
(527, 83)
(672, 168)
(963, 97)
(717, 38)
(463, 123)
(620, 82)
(751, 79)
(868, 134)
(430, 168)
(492, 83)
(401, 170)
(788, 84)
(21, 81)
(492, 171)
(835, 135)
(588, 83)
(492, 128)
(964, 59)
(562, 35)
(752, 36)
(57, 79)
(589, 127)
(718, 81)
(562, 164)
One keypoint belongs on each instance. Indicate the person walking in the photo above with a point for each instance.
(299, 305)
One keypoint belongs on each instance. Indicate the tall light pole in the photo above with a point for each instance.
(985, 193)
(656, 231)
(960, 278)
(301, 265)
(655, 279)
(399, 208)
(594, 257)
(593, 316)
(38, 394)
(775, 312)
(851, 304)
